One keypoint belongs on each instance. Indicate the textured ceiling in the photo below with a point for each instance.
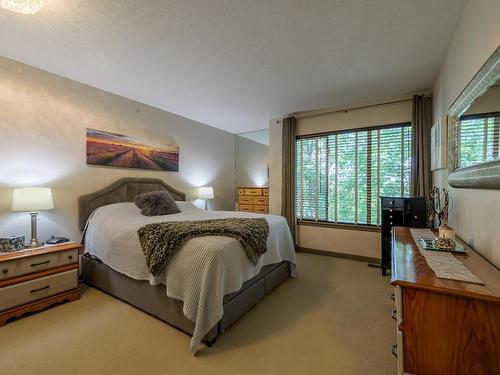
(235, 64)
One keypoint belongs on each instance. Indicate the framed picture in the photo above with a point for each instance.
(118, 150)
(439, 144)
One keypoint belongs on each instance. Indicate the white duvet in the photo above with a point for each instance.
(201, 273)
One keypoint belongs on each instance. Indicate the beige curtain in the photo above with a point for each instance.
(288, 172)
(421, 178)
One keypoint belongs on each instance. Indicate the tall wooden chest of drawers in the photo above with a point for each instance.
(252, 199)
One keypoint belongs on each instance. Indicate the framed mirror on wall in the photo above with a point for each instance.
(474, 130)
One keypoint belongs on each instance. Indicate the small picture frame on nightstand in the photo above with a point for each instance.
(11, 244)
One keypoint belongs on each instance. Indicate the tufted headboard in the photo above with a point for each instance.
(123, 190)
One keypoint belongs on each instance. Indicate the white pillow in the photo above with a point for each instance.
(187, 207)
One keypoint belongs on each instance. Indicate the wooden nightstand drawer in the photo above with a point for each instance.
(253, 191)
(262, 201)
(28, 291)
(245, 200)
(24, 266)
(261, 209)
(246, 207)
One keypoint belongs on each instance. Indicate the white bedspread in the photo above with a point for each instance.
(201, 273)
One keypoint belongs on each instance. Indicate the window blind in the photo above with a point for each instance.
(478, 138)
(341, 175)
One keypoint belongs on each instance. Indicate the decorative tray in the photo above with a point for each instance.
(426, 243)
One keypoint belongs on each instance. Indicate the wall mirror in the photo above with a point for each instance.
(474, 130)
(252, 159)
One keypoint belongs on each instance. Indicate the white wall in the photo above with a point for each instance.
(42, 143)
(251, 162)
(475, 213)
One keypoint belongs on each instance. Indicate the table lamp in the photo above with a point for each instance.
(206, 193)
(32, 200)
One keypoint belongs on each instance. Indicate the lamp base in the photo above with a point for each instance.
(34, 243)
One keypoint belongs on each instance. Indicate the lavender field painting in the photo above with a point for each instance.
(118, 150)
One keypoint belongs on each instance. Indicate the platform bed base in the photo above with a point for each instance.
(154, 300)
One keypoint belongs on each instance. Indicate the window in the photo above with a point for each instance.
(478, 138)
(341, 175)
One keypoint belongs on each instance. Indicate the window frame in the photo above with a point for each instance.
(341, 225)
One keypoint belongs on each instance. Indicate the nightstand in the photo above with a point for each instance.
(34, 279)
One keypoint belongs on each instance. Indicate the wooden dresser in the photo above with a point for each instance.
(253, 199)
(34, 279)
(444, 326)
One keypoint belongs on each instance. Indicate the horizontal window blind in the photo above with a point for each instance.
(478, 138)
(340, 176)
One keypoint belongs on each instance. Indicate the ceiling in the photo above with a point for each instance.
(234, 64)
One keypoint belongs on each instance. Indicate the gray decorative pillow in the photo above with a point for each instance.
(156, 203)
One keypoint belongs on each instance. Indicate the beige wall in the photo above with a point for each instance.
(251, 162)
(347, 241)
(475, 213)
(358, 118)
(275, 168)
(42, 129)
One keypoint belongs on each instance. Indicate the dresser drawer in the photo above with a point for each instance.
(246, 207)
(253, 191)
(245, 200)
(29, 291)
(262, 201)
(261, 209)
(24, 266)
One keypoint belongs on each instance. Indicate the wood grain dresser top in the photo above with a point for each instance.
(409, 269)
(46, 249)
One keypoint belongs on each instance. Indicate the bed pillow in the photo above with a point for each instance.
(156, 203)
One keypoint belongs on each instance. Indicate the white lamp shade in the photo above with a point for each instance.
(206, 192)
(32, 199)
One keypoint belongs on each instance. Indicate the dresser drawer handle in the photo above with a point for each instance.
(39, 264)
(40, 289)
(70, 257)
(395, 351)
(5, 271)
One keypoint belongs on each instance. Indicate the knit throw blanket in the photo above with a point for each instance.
(159, 241)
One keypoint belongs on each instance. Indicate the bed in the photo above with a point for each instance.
(208, 284)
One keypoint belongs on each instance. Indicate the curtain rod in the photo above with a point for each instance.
(322, 112)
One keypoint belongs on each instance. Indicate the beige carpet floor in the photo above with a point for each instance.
(333, 319)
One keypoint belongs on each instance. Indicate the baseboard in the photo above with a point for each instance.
(359, 258)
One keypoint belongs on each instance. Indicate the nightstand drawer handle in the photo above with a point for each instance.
(40, 289)
(70, 257)
(39, 264)
(5, 271)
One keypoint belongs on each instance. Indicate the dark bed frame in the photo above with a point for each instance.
(153, 299)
